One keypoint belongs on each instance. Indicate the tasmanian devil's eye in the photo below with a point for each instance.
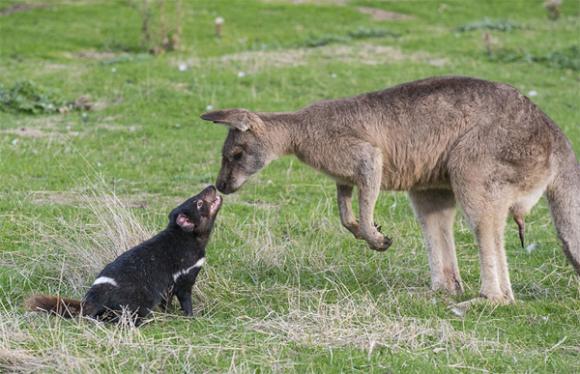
(199, 203)
(237, 156)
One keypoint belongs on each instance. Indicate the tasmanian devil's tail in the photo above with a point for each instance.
(564, 198)
(66, 308)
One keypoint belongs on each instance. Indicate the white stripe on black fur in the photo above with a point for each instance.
(105, 280)
(198, 264)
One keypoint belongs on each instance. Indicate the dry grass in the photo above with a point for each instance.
(383, 15)
(360, 321)
(79, 250)
(116, 229)
(61, 351)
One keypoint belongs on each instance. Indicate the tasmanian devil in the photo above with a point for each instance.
(150, 274)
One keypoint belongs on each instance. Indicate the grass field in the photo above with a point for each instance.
(286, 288)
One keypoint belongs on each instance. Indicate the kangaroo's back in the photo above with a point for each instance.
(416, 125)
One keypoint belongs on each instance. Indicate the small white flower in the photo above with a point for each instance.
(219, 21)
(14, 141)
(182, 66)
(241, 74)
(533, 93)
(333, 75)
(209, 107)
(113, 70)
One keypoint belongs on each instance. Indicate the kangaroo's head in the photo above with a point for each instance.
(198, 213)
(247, 148)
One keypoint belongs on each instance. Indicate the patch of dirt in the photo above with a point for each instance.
(383, 15)
(113, 127)
(18, 8)
(27, 132)
(368, 54)
(41, 128)
(95, 55)
(60, 127)
(253, 61)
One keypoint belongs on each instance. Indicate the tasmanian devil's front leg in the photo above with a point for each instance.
(368, 179)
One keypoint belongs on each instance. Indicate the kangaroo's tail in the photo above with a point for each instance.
(66, 308)
(564, 198)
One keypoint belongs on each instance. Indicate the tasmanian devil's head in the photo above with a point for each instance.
(197, 214)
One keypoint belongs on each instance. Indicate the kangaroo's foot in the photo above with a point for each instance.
(450, 283)
(498, 297)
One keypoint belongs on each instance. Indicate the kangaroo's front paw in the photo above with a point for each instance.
(382, 243)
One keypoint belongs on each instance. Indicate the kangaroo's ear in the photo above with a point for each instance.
(240, 119)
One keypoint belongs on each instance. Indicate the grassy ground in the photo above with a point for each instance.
(286, 288)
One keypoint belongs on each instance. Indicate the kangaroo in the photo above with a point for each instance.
(442, 139)
(150, 274)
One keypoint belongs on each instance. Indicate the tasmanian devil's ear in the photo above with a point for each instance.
(184, 222)
(240, 119)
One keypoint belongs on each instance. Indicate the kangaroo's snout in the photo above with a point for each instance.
(225, 188)
(221, 186)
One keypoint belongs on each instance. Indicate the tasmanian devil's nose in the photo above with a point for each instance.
(221, 186)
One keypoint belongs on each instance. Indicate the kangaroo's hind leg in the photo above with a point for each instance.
(488, 225)
(435, 211)
(487, 213)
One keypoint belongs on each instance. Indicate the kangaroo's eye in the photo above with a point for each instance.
(199, 203)
(237, 156)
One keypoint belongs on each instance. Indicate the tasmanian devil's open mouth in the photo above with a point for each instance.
(215, 205)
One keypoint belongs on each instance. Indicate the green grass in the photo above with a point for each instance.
(286, 288)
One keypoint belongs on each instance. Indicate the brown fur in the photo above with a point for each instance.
(447, 139)
(66, 308)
